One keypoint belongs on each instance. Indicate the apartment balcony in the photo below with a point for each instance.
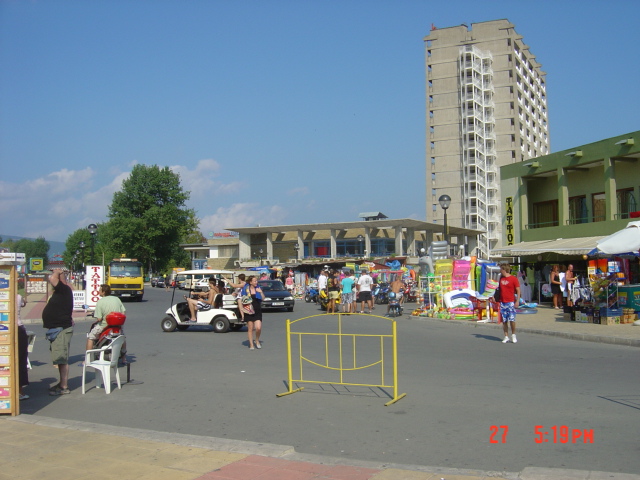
(494, 218)
(493, 234)
(470, 177)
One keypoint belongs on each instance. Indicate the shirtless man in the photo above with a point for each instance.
(397, 287)
(203, 299)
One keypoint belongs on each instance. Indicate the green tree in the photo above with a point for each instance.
(148, 217)
(38, 248)
(75, 254)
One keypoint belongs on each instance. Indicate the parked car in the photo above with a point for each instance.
(154, 281)
(160, 282)
(276, 296)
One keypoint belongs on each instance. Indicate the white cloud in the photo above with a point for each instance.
(57, 204)
(242, 215)
(202, 182)
(302, 191)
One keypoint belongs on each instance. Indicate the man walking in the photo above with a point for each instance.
(347, 293)
(364, 291)
(57, 319)
(322, 281)
(509, 298)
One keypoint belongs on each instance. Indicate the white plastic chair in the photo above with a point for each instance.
(103, 365)
(31, 337)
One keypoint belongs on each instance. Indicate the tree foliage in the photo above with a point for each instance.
(148, 218)
(32, 248)
(100, 249)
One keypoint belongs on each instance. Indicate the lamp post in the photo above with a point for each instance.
(82, 247)
(445, 201)
(360, 239)
(261, 251)
(296, 247)
(93, 229)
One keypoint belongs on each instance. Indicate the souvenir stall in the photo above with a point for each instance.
(614, 276)
(463, 288)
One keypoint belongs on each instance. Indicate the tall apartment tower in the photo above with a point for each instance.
(486, 107)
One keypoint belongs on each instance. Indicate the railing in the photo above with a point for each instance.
(576, 221)
(531, 226)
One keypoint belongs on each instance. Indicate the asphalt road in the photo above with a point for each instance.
(464, 389)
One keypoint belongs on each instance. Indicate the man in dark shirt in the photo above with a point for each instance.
(57, 318)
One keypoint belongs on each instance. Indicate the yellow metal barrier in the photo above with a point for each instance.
(340, 368)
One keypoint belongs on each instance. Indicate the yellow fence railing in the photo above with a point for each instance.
(337, 363)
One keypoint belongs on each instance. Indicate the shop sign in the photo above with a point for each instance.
(95, 278)
(509, 220)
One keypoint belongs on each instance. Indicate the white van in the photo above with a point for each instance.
(187, 279)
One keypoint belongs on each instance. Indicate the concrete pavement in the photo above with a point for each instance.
(546, 321)
(43, 448)
(49, 448)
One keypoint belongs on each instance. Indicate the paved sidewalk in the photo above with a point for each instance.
(49, 449)
(42, 448)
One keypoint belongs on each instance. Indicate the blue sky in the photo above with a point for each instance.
(273, 112)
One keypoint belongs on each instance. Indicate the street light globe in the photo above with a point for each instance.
(445, 201)
(93, 228)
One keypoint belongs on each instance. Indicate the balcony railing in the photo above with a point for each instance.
(531, 226)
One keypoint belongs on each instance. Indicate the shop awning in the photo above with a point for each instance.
(561, 246)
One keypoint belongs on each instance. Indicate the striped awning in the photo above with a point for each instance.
(561, 246)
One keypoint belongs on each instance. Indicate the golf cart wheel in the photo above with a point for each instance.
(220, 324)
(169, 324)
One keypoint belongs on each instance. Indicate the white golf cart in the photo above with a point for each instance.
(221, 319)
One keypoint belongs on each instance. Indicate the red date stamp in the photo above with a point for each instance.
(554, 434)
(495, 430)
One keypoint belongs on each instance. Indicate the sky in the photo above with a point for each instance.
(273, 112)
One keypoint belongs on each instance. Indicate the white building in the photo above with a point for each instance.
(486, 107)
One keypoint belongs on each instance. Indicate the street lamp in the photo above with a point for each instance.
(445, 201)
(296, 247)
(82, 247)
(93, 229)
(260, 256)
(360, 239)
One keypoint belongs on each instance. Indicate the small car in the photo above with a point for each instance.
(160, 282)
(276, 295)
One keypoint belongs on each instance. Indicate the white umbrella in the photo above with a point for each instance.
(624, 242)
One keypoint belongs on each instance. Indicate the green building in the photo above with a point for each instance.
(565, 202)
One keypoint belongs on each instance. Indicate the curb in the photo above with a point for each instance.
(286, 452)
(629, 342)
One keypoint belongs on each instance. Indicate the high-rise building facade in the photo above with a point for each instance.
(486, 107)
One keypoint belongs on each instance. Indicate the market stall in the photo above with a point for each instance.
(614, 274)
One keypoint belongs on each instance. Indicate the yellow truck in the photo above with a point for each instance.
(126, 279)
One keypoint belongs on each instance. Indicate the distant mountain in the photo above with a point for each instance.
(55, 248)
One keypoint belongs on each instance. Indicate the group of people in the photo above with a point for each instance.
(562, 280)
(57, 318)
(346, 288)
